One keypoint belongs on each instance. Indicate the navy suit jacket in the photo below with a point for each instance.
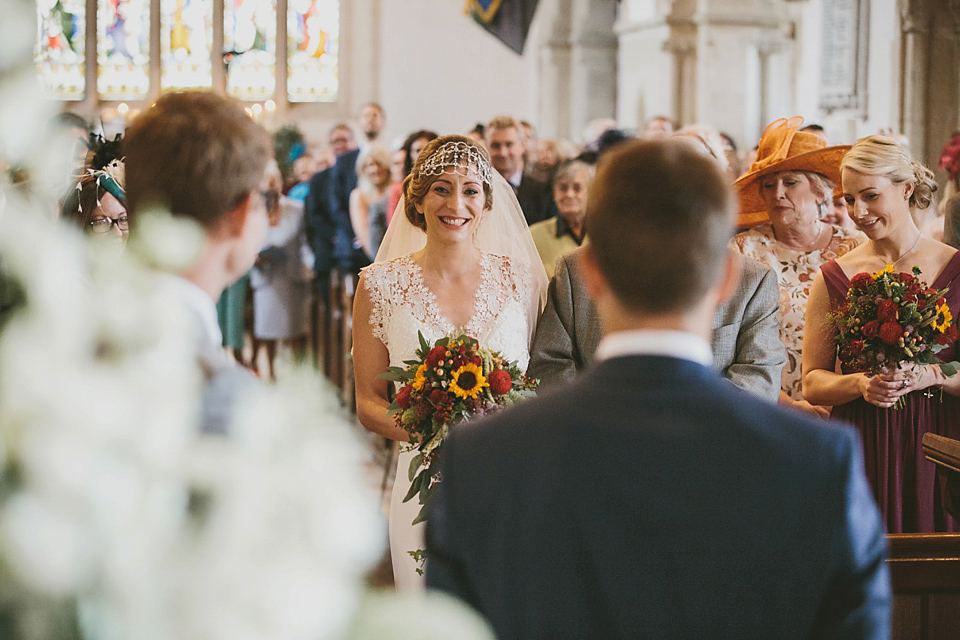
(652, 499)
(320, 225)
(534, 199)
(348, 255)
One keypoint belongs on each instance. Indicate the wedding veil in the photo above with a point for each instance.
(502, 231)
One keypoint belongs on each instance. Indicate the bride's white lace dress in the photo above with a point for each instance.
(402, 305)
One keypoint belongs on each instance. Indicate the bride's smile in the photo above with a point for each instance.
(454, 204)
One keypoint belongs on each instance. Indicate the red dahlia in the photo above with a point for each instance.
(887, 311)
(434, 356)
(500, 381)
(860, 281)
(403, 397)
(890, 332)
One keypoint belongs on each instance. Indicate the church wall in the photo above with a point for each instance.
(430, 66)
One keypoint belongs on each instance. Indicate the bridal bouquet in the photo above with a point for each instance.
(450, 382)
(889, 319)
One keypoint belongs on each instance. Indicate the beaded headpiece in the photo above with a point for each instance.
(459, 155)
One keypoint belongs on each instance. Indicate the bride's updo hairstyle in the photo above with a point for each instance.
(883, 156)
(457, 152)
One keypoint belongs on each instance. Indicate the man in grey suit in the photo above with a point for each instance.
(745, 340)
(201, 157)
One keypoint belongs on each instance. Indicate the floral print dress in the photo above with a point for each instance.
(795, 272)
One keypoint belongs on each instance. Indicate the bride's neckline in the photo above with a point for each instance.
(433, 307)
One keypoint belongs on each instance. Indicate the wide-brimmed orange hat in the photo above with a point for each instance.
(783, 147)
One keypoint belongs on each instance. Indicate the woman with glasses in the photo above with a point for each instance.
(98, 203)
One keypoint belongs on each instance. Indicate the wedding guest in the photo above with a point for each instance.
(373, 171)
(550, 153)
(649, 498)
(203, 157)
(349, 254)
(881, 184)
(504, 137)
(564, 232)
(371, 118)
(816, 130)
(280, 277)
(788, 189)
(659, 127)
(950, 207)
(98, 203)
(323, 232)
(745, 341)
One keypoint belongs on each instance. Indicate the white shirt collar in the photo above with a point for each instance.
(674, 344)
(203, 307)
(516, 178)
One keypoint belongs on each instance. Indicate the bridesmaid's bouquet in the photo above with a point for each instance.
(889, 319)
(452, 381)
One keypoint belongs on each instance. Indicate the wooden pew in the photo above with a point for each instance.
(925, 572)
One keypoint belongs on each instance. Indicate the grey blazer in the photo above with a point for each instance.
(746, 341)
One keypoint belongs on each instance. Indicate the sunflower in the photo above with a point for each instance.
(419, 378)
(943, 311)
(886, 269)
(468, 381)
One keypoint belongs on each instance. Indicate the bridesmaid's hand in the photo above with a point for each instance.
(884, 389)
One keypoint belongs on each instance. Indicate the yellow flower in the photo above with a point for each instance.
(944, 312)
(886, 269)
(468, 381)
(419, 378)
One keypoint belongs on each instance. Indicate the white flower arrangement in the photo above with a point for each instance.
(119, 518)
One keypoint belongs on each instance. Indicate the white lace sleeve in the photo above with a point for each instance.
(375, 278)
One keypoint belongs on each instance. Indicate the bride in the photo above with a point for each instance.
(457, 256)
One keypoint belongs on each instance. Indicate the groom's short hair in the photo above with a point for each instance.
(196, 153)
(660, 215)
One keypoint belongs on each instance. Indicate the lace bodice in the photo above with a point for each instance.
(402, 305)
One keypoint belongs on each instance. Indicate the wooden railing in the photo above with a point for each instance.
(925, 573)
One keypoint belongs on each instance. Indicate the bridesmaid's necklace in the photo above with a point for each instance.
(907, 252)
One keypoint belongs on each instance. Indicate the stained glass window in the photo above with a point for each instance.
(250, 45)
(123, 49)
(186, 40)
(59, 52)
(313, 50)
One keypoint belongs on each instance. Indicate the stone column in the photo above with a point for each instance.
(553, 70)
(915, 61)
(593, 63)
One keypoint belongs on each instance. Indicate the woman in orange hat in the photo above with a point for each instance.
(786, 193)
(882, 185)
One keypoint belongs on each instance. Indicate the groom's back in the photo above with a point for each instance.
(651, 499)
